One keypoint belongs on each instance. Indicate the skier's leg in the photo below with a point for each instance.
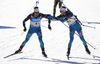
(29, 34)
(39, 33)
(27, 38)
(70, 42)
(81, 37)
(60, 4)
(84, 42)
(54, 7)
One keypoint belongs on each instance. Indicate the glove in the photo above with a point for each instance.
(49, 27)
(47, 16)
(25, 29)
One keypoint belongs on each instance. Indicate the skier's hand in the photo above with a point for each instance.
(49, 27)
(25, 29)
(47, 16)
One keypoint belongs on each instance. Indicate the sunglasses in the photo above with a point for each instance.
(36, 12)
(61, 11)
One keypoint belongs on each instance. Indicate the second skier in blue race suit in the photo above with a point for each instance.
(35, 19)
(74, 25)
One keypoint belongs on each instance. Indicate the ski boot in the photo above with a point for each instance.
(87, 50)
(19, 50)
(68, 53)
(43, 52)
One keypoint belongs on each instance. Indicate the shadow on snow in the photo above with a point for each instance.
(57, 61)
(91, 22)
(50, 60)
(7, 27)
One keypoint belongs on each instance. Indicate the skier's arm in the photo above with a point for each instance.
(28, 17)
(49, 22)
(60, 18)
(78, 19)
(47, 16)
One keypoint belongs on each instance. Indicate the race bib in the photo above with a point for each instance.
(71, 20)
(36, 24)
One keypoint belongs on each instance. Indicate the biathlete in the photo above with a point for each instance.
(55, 5)
(74, 25)
(35, 27)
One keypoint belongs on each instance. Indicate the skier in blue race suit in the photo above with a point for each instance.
(74, 25)
(35, 19)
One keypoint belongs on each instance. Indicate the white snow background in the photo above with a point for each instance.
(13, 12)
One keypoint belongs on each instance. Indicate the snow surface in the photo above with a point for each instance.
(12, 13)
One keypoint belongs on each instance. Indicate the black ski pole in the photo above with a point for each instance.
(82, 24)
(88, 26)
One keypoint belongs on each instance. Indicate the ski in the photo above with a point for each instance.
(12, 55)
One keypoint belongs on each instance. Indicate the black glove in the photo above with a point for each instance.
(47, 16)
(49, 27)
(25, 29)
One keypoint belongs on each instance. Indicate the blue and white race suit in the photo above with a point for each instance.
(73, 26)
(34, 28)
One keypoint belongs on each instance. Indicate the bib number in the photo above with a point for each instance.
(36, 24)
(71, 20)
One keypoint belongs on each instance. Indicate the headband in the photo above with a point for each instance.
(36, 10)
(63, 9)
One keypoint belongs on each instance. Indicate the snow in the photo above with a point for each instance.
(12, 13)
